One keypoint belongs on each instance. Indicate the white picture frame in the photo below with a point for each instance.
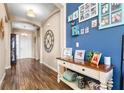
(79, 54)
(87, 30)
(87, 11)
(75, 15)
(94, 23)
(67, 52)
(82, 31)
(70, 18)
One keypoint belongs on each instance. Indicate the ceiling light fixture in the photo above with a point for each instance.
(31, 13)
(24, 34)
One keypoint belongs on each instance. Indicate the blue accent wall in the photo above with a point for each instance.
(107, 41)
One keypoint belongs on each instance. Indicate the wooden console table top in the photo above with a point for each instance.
(100, 67)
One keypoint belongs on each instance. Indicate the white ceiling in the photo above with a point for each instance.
(24, 26)
(42, 11)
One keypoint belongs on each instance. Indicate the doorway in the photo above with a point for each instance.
(24, 45)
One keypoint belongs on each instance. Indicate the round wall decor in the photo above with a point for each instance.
(49, 41)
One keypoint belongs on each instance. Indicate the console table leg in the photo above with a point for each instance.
(103, 86)
(58, 79)
(110, 84)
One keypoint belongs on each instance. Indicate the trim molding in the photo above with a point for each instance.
(49, 66)
(2, 79)
(8, 67)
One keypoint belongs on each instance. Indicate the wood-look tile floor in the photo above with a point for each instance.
(29, 74)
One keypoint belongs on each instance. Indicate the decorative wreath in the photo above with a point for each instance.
(49, 41)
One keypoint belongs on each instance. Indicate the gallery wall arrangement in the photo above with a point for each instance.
(97, 27)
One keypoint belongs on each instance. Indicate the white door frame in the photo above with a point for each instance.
(62, 7)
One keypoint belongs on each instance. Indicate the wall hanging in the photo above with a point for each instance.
(111, 14)
(75, 15)
(1, 28)
(94, 23)
(82, 31)
(87, 11)
(87, 30)
(49, 41)
(70, 18)
(75, 30)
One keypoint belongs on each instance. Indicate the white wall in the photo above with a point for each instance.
(4, 44)
(54, 25)
(37, 45)
(7, 44)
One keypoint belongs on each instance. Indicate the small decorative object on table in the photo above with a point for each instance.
(67, 53)
(107, 61)
(89, 55)
(79, 54)
(96, 58)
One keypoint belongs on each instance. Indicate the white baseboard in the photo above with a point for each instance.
(2, 79)
(41, 62)
(8, 67)
(49, 67)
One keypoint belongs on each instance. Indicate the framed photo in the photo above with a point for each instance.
(116, 17)
(87, 30)
(105, 8)
(94, 23)
(94, 11)
(70, 18)
(110, 15)
(82, 31)
(105, 20)
(81, 13)
(87, 11)
(75, 15)
(87, 14)
(75, 30)
(93, 5)
(67, 52)
(96, 58)
(79, 54)
(115, 6)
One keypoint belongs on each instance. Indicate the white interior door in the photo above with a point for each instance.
(24, 47)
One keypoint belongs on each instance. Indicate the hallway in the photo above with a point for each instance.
(29, 74)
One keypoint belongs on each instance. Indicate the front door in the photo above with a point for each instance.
(24, 46)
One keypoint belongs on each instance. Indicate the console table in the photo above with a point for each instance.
(102, 73)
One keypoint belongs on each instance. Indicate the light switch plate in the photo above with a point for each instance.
(77, 44)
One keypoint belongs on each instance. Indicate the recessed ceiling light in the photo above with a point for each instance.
(31, 13)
